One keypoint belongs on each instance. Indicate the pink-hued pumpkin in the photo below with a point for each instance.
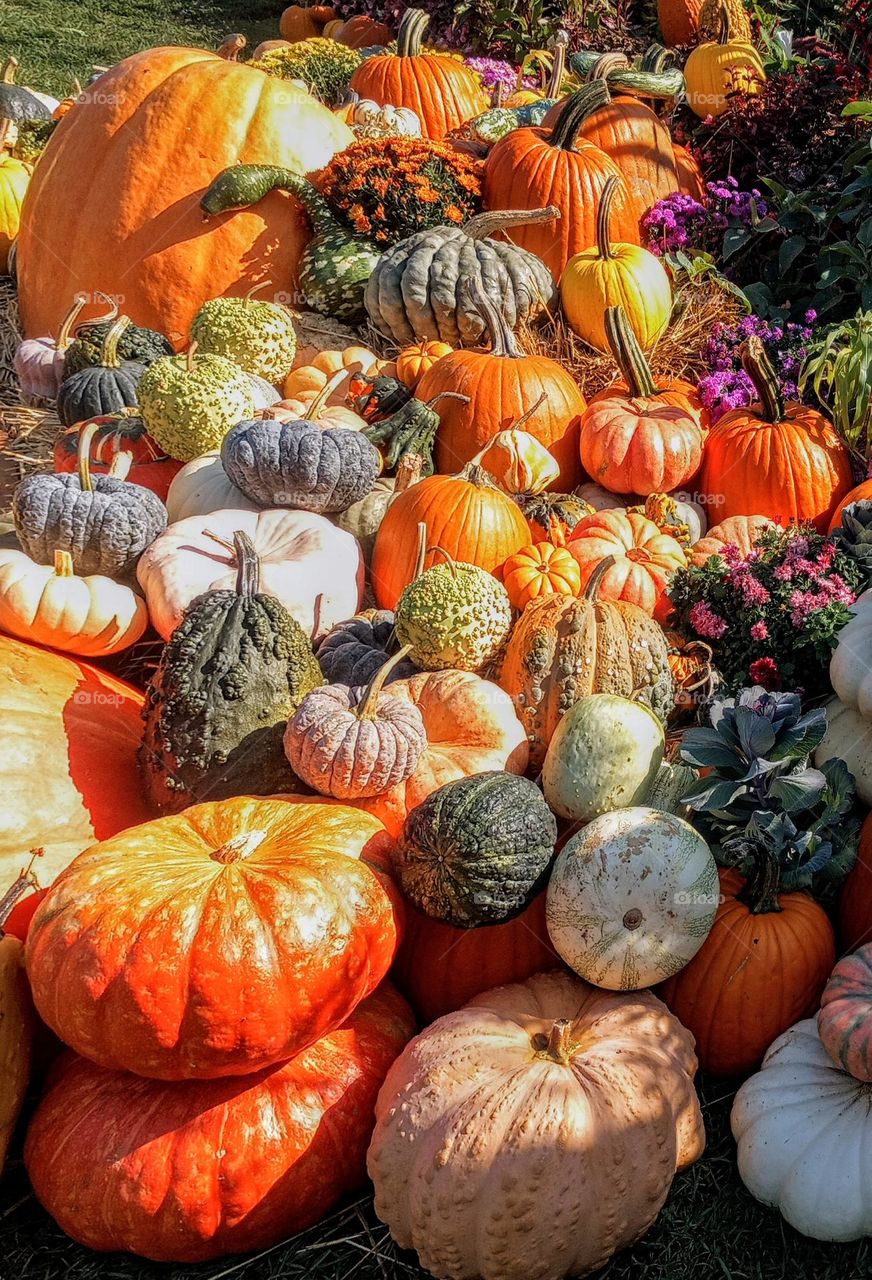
(645, 558)
(845, 1018)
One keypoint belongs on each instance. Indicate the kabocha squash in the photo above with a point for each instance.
(643, 559)
(414, 361)
(631, 898)
(420, 287)
(844, 1022)
(476, 851)
(353, 651)
(561, 650)
(349, 743)
(503, 385)
(101, 388)
(764, 964)
(16, 1017)
(117, 433)
(68, 773)
(553, 516)
(441, 90)
(736, 531)
(573, 1088)
(604, 754)
(259, 336)
(612, 274)
(539, 570)
(439, 967)
(716, 69)
(271, 1180)
(233, 671)
(776, 459)
(39, 362)
(17, 103)
(90, 616)
(518, 462)
(202, 486)
(363, 518)
(167, 121)
(271, 919)
(334, 266)
(105, 523)
(190, 402)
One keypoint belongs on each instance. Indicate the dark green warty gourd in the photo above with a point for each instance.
(353, 651)
(142, 346)
(103, 388)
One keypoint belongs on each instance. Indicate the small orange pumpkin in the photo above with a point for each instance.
(540, 569)
(303, 21)
(313, 375)
(414, 361)
(645, 558)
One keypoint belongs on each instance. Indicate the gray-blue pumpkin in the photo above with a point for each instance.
(296, 464)
(101, 388)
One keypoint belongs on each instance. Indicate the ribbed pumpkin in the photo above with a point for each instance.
(532, 168)
(860, 493)
(737, 531)
(143, 225)
(845, 1017)
(540, 569)
(414, 361)
(639, 440)
(101, 1141)
(503, 385)
(763, 966)
(441, 90)
(612, 274)
(644, 558)
(691, 180)
(563, 649)
(268, 921)
(466, 516)
(776, 459)
(728, 64)
(855, 900)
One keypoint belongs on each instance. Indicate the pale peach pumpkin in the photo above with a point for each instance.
(645, 558)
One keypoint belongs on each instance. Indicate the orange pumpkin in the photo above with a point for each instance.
(539, 569)
(216, 941)
(532, 168)
(691, 180)
(738, 531)
(163, 124)
(679, 20)
(635, 440)
(191, 1171)
(503, 386)
(855, 900)
(645, 558)
(466, 516)
(441, 90)
(860, 493)
(312, 372)
(638, 380)
(361, 32)
(413, 362)
(121, 432)
(774, 459)
(303, 21)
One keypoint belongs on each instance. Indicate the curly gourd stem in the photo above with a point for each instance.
(759, 369)
(367, 708)
(231, 46)
(64, 333)
(10, 67)
(583, 103)
(410, 35)
(256, 289)
(487, 224)
(627, 354)
(591, 587)
(449, 559)
(25, 880)
(520, 423)
(83, 454)
(109, 357)
(603, 217)
(503, 341)
(760, 890)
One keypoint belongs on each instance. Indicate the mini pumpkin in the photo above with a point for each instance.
(39, 362)
(644, 558)
(313, 369)
(414, 361)
(540, 570)
(103, 388)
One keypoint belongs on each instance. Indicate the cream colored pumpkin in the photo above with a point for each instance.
(518, 462)
(804, 1132)
(535, 1132)
(315, 569)
(203, 486)
(849, 738)
(851, 663)
(306, 378)
(91, 616)
(363, 519)
(372, 120)
(316, 406)
(632, 898)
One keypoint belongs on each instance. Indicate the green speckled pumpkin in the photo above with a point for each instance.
(188, 403)
(258, 336)
(453, 615)
(476, 851)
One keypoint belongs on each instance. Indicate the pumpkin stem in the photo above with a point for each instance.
(627, 354)
(238, 847)
(503, 341)
(83, 454)
(449, 560)
(558, 66)
(723, 25)
(63, 565)
(69, 320)
(257, 288)
(603, 217)
(231, 46)
(520, 423)
(25, 880)
(591, 587)
(119, 468)
(10, 67)
(410, 34)
(112, 305)
(556, 1044)
(581, 104)
(760, 890)
(248, 575)
(189, 357)
(447, 395)
(758, 367)
(109, 357)
(409, 470)
(422, 549)
(367, 708)
(320, 401)
(487, 224)
(477, 475)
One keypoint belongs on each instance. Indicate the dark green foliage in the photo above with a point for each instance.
(477, 851)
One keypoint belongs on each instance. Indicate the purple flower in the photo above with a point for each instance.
(706, 622)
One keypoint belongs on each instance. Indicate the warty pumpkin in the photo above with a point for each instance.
(142, 346)
(257, 335)
(189, 402)
(728, 64)
(441, 90)
(540, 569)
(776, 459)
(543, 1086)
(643, 559)
(271, 920)
(563, 649)
(16, 1017)
(100, 1140)
(710, 18)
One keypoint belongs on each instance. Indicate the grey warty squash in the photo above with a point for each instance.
(104, 522)
(296, 464)
(104, 387)
(419, 288)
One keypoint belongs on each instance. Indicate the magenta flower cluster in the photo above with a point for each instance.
(726, 386)
(681, 222)
(496, 71)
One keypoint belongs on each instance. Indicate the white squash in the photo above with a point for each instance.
(372, 119)
(263, 393)
(692, 513)
(851, 663)
(804, 1132)
(632, 898)
(203, 486)
(849, 738)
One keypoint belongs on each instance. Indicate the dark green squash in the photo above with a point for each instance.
(17, 103)
(477, 851)
(102, 388)
(353, 651)
(233, 672)
(412, 429)
(143, 346)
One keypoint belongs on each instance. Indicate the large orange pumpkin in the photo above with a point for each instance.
(860, 493)
(191, 1171)
(68, 770)
(855, 900)
(158, 129)
(532, 168)
(679, 20)
(466, 516)
(216, 941)
(441, 90)
(502, 386)
(439, 967)
(762, 967)
(644, 557)
(774, 459)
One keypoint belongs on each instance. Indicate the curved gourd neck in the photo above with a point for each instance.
(627, 354)
(604, 217)
(410, 36)
(492, 222)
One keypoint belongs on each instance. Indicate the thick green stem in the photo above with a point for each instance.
(760, 890)
(582, 104)
(604, 215)
(759, 369)
(627, 353)
(410, 36)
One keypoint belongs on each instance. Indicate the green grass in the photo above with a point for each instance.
(710, 1229)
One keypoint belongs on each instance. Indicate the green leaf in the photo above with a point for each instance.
(790, 250)
(798, 791)
(857, 109)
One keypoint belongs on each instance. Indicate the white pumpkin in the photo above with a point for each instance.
(203, 486)
(372, 118)
(315, 569)
(263, 393)
(851, 663)
(849, 738)
(804, 1132)
(632, 898)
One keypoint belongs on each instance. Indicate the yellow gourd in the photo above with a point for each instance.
(516, 460)
(16, 1018)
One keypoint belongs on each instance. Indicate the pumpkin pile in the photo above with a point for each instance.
(439, 686)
